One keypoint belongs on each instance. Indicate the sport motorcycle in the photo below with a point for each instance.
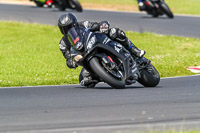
(108, 61)
(60, 4)
(157, 8)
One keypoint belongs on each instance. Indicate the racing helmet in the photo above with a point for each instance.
(66, 21)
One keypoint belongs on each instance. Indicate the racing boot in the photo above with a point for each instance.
(133, 49)
(86, 79)
(139, 54)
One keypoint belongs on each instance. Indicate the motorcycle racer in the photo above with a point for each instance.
(67, 21)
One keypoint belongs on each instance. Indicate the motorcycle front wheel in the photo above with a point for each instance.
(166, 10)
(104, 75)
(74, 4)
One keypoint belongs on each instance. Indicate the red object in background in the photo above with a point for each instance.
(148, 3)
(49, 2)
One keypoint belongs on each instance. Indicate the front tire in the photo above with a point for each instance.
(166, 10)
(75, 5)
(149, 76)
(105, 76)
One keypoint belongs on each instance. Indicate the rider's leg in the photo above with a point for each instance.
(120, 36)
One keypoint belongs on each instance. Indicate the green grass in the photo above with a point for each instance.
(181, 130)
(174, 131)
(170, 54)
(30, 55)
(185, 6)
(177, 6)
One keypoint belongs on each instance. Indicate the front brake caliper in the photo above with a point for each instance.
(109, 62)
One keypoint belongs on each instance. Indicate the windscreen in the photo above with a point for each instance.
(75, 34)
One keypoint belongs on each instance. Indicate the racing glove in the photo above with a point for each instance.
(71, 63)
(117, 34)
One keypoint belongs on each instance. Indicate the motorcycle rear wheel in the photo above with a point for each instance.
(149, 76)
(104, 75)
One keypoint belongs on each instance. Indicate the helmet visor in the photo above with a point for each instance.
(75, 37)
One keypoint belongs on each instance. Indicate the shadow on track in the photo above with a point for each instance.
(110, 88)
(150, 17)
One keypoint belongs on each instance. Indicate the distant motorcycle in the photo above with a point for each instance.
(60, 4)
(157, 7)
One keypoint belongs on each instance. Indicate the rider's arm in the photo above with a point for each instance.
(88, 24)
(102, 26)
(117, 35)
(65, 48)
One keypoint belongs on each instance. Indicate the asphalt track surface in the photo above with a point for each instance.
(180, 25)
(173, 104)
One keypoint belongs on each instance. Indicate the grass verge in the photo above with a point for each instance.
(174, 131)
(177, 6)
(30, 55)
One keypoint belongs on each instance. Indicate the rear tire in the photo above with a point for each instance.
(149, 77)
(105, 76)
(166, 10)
